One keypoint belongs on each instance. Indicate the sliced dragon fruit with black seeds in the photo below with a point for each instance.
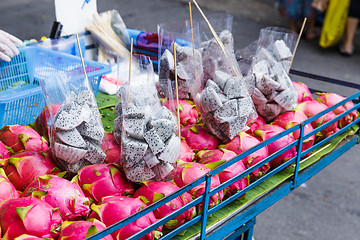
(134, 127)
(163, 170)
(164, 128)
(66, 121)
(94, 154)
(235, 88)
(221, 78)
(227, 112)
(155, 143)
(134, 150)
(210, 100)
(94, 132)
(68, 154)
(71, 137)
(150, 159)
(139, 172)
(171, 151)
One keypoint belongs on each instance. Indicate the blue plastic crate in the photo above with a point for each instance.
(21, 98)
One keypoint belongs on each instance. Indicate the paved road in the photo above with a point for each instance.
(328, 206)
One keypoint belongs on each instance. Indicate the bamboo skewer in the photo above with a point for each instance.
(177, 93)
(81, 57)
(192, 39)
(234, 68)
(130, 63)
(297, 42)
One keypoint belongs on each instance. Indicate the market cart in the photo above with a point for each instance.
(235, 217)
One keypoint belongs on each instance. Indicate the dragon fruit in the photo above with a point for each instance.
(28, 237)
(311, 108)
(198, 137)
(186, 153)
(115, 208)
(152, 191)
(25, 167)
(28, 215)
(62, 193)
(187, 172)
(268, 131)
(7, 189)
(330, 99)
(78, 230)
(223, 155)
(19, 137)
(111, 148)
(4, 151)
(101, 180)
(244, 142)
(188, 112)
(253, 125)
(43, 118)
(303, 91)
(290, 119)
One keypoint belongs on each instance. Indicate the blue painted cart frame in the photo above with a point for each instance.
(242, 221)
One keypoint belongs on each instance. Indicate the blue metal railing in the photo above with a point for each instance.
(205, 197)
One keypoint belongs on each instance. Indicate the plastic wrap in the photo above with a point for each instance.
(149, 143)
(222, 96)
(269, 84)
(76, 130)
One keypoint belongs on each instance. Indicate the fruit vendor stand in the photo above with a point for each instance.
(236, 216)
(110, 154)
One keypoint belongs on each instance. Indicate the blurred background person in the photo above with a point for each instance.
(347, 48)
(295, 11)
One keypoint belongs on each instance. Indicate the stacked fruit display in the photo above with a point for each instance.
(37, 202)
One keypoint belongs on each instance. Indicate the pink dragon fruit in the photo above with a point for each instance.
(188, 112)
(311, 108)
(78, 230)
(101, 180)
(30, 216)
(199, 138)
(268, 131)
(28, 237)
(330, 99)
(111, 148)
(152, 191)
(4, 151)
(259, 121)
(25, 167)
(187, 172)
(303, 91)
(290, 119)
(43, 118)
(212, 156)
(186, 153)
(244, 142)
(19, 137)
(7, 189)
(115, 208)
(62, 193)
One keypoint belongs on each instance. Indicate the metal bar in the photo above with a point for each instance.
(277, 193)
(205, 207)
(236, 235)
(324, 79)
(298, 155)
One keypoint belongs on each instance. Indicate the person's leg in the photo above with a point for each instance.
(350, 30)
(311, 33)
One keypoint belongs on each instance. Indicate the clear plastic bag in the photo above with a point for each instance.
(222, 96)
(149, 143)
(76, 130)
(269, 84)
(179, 34)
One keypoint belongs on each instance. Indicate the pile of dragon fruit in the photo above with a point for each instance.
(38, 202)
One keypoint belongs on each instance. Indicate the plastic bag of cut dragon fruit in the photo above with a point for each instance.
(222, 97)
(76, 130)
(269, 84)
(178, 33)
(149, 141)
